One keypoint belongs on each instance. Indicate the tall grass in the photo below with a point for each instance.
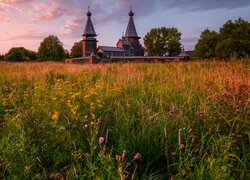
(186, 121)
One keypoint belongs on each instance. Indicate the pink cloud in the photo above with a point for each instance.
(50, 11)
(29, 35)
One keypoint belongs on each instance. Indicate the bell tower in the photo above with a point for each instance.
(89, 42)
(132, 37)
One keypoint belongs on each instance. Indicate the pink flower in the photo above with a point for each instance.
(226, 94)
(85, 126)
(201, 114)
(118, 158)
(182, 147)
(137, 156)
(101, 140)
(237, 110)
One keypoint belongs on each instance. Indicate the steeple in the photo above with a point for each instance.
(132, 38)
(131, 31)
(89, 30)
(89, 42)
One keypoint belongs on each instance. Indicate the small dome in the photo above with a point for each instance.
(89, 13)
(131, 13)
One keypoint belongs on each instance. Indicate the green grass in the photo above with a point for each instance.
(187, 120)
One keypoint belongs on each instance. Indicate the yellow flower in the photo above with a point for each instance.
(55, 116)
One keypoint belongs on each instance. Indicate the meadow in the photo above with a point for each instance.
(177, 120)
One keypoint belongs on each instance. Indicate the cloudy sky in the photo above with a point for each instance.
(27, 22)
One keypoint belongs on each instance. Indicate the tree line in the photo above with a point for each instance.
(232, 40)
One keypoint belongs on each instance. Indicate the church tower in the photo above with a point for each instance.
(89, 42)
(132, 37)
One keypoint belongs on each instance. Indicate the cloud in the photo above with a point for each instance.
(29, 35)
(14, 1)
(50, 11)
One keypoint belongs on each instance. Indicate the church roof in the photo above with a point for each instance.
(89, 28)
(110, 49)
(131, 31)
(125, 43)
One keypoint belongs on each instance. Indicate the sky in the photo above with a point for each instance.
(25, 23)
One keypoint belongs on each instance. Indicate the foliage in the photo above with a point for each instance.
(233, 40)
(162, 41)
(65, 121)
(51, 49)
(205, 48)
(76, 50)
(17, 54)
(1, 57)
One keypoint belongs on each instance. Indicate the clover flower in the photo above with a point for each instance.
(85, 126)
(101, 140)
(137, 156)
(237, 110)
(201, 114)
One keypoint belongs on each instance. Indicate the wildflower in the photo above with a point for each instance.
(226, 94)
(92, 123)
(182, 147)
(93, 116)
(101, 140)
(123, 154)
(171, 113)
(239, 136)
(237, 110)
(55, 116)
(85, 126)
(201, 114)
(137, 156)
(86, 116)
(118, 158)
(233, 135)
(236, 136)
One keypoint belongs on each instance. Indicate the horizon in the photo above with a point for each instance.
(37, 19)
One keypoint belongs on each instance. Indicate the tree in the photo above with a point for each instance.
(205, 48)
(1, 57)
(234, 39)
(76, 50)
(16, 54)
(51, 49)
(162, 41)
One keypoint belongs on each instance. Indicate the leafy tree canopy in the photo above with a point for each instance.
(51, 49)
(76, 50)
(19, 54)
(233, 39)
(162, 41)
(205, 48)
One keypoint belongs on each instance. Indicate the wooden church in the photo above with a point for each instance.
(128, 45)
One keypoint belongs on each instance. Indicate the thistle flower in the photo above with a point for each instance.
(201, 114)
(237, 110)
(226, 94)
(182, 147)
(137, 156)
(101, 140)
